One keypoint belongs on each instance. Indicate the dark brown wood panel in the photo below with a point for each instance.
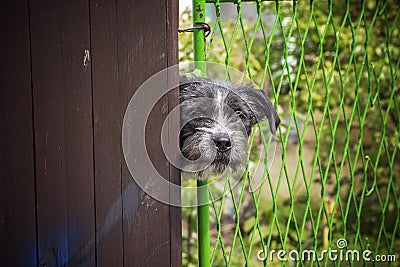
(17, 186)
(78, 132)
(142, 42)
(69, 69)
(143, 51)
(174, 126)
(108, 114)
(63, 130)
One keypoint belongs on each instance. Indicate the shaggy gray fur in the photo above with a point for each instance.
(216, 119)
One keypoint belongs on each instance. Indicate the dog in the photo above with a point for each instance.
(217, 118)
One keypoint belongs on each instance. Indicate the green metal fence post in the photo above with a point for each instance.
(202, 191)
(203, 224)
(199, 15)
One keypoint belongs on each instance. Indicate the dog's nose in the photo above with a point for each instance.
(222, 142)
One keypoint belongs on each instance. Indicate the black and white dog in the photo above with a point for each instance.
(216, 119)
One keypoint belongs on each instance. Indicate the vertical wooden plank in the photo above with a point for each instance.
(49, 130)
(108, 114)
(63, 130)
(143, 45)
(79, 132)
(17, 187)
(174, 126)
(144, 220)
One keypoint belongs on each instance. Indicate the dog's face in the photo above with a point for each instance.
(217, 119)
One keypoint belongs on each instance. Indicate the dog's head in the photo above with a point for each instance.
(217, 119)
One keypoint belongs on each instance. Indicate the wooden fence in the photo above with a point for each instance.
(68, 70)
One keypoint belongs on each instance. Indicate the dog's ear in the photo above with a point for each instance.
(260, 106)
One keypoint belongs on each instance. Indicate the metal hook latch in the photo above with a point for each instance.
(203, 26)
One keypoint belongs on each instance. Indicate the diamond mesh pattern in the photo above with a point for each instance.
(332, 68)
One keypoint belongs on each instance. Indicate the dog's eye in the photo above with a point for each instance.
(240, 114)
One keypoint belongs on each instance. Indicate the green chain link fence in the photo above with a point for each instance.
(332, 68)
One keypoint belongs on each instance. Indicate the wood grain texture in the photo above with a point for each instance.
(174, 126)
(69, 69)
(142, 53)
(17, 180)
(108, 114)
(63, 129)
